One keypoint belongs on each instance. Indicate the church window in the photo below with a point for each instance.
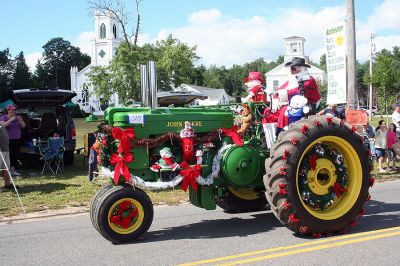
(275, 84)
(115, 31)
(102, 53)
(85, 95)
(294, 47)
(102, 31)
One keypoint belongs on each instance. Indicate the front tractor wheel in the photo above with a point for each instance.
(318, 176)
(124, 214)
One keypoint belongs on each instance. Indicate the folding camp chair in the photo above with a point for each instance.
(53, 155)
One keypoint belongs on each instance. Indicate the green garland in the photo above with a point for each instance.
(321, 202)
(108, 145)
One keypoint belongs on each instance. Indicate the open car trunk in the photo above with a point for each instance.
(45, 116)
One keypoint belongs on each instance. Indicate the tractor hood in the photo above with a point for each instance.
(42, 96)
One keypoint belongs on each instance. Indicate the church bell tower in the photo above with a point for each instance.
(107, 38)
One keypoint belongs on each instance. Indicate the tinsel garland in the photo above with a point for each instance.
(322, 201)
(158, 185)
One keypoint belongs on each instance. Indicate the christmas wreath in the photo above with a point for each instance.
(338, 181)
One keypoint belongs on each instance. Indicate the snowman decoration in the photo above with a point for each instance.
(166, 161)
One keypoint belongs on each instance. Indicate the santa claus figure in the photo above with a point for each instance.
(253, 82)
(187, 136)
(300, 83)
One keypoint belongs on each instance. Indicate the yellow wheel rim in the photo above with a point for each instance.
(244, 193)
(133, 213)
(327, 169)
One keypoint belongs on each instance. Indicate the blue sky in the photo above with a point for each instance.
(226, 32)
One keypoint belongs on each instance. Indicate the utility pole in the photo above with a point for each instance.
(351, 54)
(370, 74)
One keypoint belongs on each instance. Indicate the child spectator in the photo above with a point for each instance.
(381, 144)
(391, 139)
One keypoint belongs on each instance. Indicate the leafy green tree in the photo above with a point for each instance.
(197, 75)
(58, 58)
(234, 80)
(22, 77)
(6, 70)
(214, 77)
(175, 62)
(385, 76)
(362, 88)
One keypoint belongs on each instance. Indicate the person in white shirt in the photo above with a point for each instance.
(396, 118)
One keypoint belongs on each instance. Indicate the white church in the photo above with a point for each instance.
(294, 47)
(107, 39)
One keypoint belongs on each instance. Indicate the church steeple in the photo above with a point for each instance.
(107, 38)
(294, 47)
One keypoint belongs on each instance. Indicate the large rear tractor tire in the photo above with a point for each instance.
(318, 176)
(242, 200)
(124, 214)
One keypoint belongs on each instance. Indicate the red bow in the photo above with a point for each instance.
(232, 133)
(189, 173)
(338, 189)
(120, 161)
(124, 137)
(119, 220)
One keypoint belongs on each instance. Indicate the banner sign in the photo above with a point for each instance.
(336, 65)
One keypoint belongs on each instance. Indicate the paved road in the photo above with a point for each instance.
(185, 234)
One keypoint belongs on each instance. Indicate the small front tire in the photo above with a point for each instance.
(124, 214)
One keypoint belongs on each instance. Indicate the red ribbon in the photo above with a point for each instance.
(120, 161)
(313, 161)
(126, 221)
(232, 133)
(189, 173)
(124, 137)
(338, 189)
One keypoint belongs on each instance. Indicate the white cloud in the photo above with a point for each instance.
(203, 17)
(85, 41)
(384, 18)
(31, 60)
(223, 40)
(227, 41)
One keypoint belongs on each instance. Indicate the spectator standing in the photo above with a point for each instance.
(381, 144)
(396, 118)
(391, 139)
(369, 135)
(330, 110)
(5, 160)
(13, 124)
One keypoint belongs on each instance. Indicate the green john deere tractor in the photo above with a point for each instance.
(315, 178)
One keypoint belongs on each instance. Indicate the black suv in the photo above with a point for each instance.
(44, 115)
